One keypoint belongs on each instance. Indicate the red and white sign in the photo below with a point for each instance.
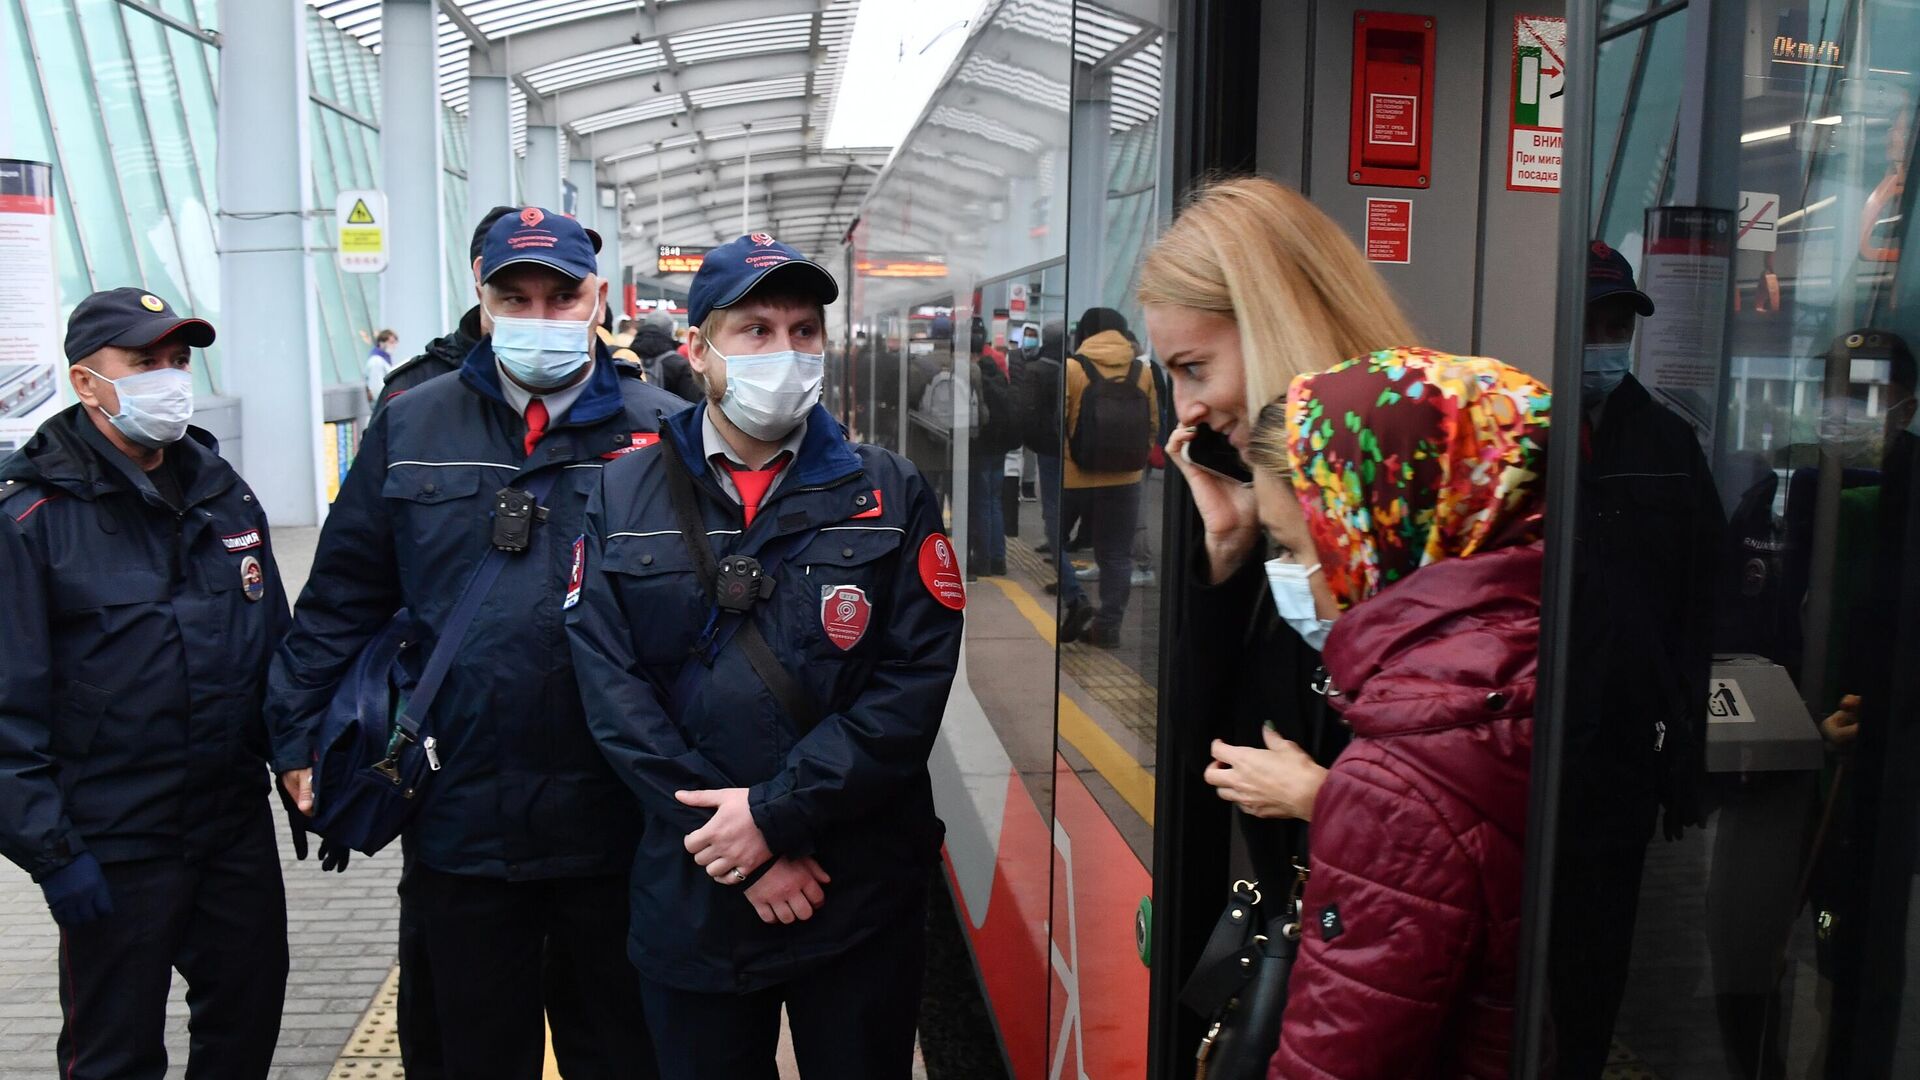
(940, 572)
(1537, 117)
(1390, 230)
(844, 614)
(1392, 119)
(1017, 301)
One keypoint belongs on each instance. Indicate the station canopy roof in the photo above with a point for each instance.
(674, 87)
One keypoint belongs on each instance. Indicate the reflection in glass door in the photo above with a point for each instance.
(1733, 890)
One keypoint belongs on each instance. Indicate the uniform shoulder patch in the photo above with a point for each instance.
(577, 574)
(242, 541)
(940, 572)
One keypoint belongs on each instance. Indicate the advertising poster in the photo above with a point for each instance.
(30, 360)
(1687, 272)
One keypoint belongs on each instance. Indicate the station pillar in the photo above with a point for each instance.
(489, 145)
(1087, 179)
(609, 226)
(413, 292)
(266, 293)
(543, 166)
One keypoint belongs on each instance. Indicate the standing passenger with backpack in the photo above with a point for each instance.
(1109, 433)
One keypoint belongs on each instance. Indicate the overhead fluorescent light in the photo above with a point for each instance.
(1764, 134)
(1826, 121)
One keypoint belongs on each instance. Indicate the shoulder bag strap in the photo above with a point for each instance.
(414, 715)
(788, 693)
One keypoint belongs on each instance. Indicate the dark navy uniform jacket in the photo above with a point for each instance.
(522, 793)
(852, 615)
(134, 661)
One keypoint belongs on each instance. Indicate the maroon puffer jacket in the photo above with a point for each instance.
(1406, 966)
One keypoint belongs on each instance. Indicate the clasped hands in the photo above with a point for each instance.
(729, 847)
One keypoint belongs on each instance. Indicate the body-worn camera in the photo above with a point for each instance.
(514, 512)
(740, 584)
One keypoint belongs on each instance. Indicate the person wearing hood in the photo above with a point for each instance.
(660, 355)
(1108, 446)
(776, 733)
(1403, 498)
(519, 850)
(142, 605)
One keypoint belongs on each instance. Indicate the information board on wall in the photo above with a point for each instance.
(360, 231)
(29, 301)
(680, 259)
(1687, 272)
(1536, 130)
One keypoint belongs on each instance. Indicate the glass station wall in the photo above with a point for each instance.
(1736, 863)
(122, 101)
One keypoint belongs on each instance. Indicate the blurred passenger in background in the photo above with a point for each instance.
(380, 362)
(1038, 399)
(1412, 544)
(1109, 425)
(666, 366)
(997, 432)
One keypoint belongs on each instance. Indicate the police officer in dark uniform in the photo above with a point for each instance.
(518, 851)
(142, 605)
(766, 628)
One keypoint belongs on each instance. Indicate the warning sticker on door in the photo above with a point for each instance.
(1758, 221)
(1390, 230)
(1535, 134)
(1392, 119)
(1726, 704)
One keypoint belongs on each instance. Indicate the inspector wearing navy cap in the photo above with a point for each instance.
(142, 605)
(1613, 304)
(777, 737)
(514, 895)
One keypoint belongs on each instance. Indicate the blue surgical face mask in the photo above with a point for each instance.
(154, 405)
(1602, 369)
(542, 353)
(1293, 598)
(768, 394)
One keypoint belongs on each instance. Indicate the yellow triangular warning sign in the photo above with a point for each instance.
(360, 215)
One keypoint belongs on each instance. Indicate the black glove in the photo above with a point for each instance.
(334, 855)
(77, 893)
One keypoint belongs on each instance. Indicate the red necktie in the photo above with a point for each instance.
(752, 484)
(536, 423)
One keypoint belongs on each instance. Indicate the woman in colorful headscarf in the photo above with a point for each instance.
(1403, 494)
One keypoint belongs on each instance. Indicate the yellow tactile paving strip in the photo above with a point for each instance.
(373, 1050)
(1131, 699)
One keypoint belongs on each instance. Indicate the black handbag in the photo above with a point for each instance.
(1240, 982)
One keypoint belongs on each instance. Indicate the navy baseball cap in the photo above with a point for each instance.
(1608, 274)
(129, 318)
(734, 269)
(535, 235)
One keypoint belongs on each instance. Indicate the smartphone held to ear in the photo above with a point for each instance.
(1211, 451)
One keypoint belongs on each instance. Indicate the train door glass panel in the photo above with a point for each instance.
(1733, 894)
(1107, 542)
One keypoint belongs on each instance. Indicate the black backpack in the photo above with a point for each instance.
(1114, 430)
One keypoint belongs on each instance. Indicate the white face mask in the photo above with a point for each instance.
(768, 394)
(1293, 598)
(154, 405)
(542, 353)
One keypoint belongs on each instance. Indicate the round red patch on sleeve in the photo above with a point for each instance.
(940, 572)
